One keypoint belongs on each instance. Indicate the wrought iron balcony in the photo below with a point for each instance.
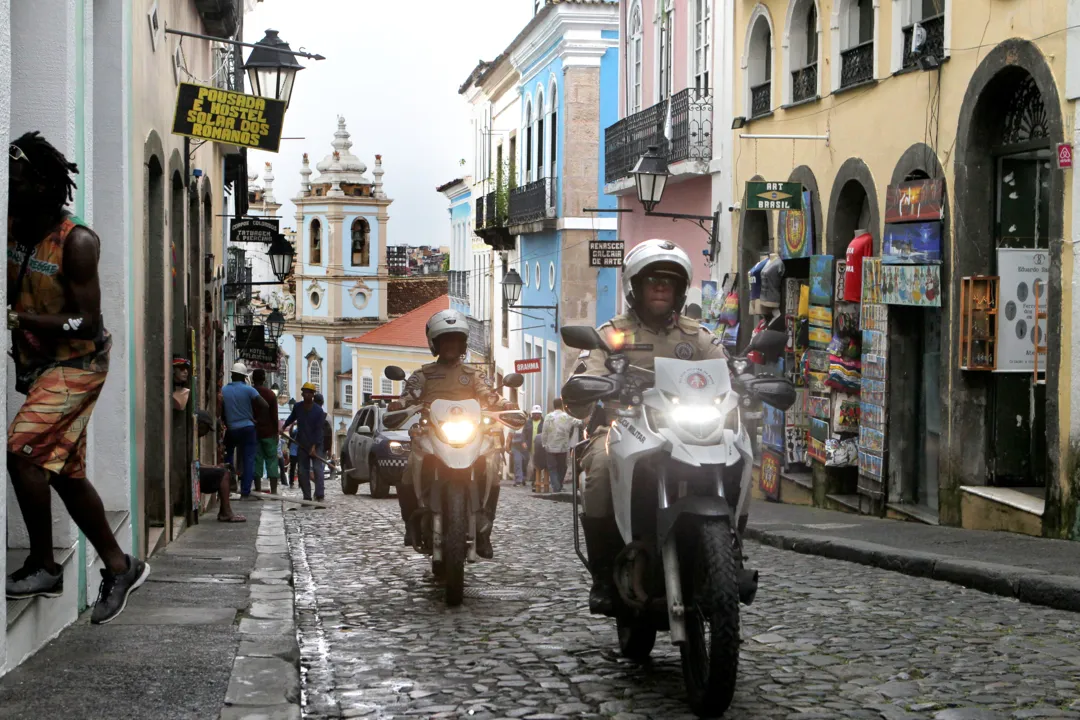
(490, 208)
(935, 41)
(804, 83)
(480, 336)
(533, 201)
(760, 99)
(479, 213)
(857, 64)
(691, 133)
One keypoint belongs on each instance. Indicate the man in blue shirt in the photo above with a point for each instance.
(309, 419)
(239, 400)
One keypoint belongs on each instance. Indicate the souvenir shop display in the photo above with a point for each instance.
(796, 230)
(918, 285)
(770, 474)
(772, 432)
(821, 280)
(873, 400)
(841, 452)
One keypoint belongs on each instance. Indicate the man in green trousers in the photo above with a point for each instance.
(266, 432)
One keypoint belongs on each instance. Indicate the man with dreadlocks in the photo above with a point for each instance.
(61, 352)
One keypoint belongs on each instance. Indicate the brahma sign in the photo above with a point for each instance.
(523, 367)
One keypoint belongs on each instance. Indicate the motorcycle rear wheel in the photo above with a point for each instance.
(455, 541)
(710, 655)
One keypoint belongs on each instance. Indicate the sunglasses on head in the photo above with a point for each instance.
(15, 153)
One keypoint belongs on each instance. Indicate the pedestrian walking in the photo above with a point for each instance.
(518, 447)
(239, 401)
(266, 434)
(294, 463)
(309, 419)
(558, 432)
(328, 438)
(534, 429)
(61, 351)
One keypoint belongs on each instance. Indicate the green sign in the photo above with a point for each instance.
(774, 196)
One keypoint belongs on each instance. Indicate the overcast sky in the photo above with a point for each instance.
(393, 70)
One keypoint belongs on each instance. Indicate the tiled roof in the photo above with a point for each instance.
(446, 186)
(407, 330)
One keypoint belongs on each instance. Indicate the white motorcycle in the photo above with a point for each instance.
(455, 438)
(681, 463)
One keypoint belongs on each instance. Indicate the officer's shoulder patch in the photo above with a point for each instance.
(689, 325)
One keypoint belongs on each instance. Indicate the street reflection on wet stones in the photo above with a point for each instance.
(824, 639)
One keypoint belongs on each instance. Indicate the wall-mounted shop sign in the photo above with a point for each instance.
(251, 230)
(532, 365)
(774, 196)
(1022, 273)
(914, 243)
(207, 113)
(1064, 156)
(605, 253)
(916, 200)
(251, 346)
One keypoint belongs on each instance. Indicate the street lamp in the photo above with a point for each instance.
(651, 176)
(511, 287)
(270, 71)
(512, 284)
(275, 325)
(281, 257)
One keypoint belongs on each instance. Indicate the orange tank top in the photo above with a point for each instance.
(42, 293)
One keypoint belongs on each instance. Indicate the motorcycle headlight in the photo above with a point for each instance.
(698, 419)
(458, 432)
(397, 448)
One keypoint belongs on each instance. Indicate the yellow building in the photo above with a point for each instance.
(982, 104)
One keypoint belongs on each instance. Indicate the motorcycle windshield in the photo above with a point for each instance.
(692, 381)
(444, 410)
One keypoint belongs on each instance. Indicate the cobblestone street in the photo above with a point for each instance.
(824, 639)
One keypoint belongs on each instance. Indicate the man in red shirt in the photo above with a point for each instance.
(861, 247)
(266, 433)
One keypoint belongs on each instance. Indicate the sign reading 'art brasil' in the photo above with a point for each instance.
(207, 113)
(774, 196)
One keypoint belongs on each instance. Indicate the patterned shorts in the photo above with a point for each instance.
(50, 429)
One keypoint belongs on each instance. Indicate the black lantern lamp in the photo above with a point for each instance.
(275, 325)
(271, 73)
(651, 176)
(281, 257)
(511, 287)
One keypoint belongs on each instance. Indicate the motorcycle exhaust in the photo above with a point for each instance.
(748, 582)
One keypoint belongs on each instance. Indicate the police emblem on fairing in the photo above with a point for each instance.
(697, 381)
(684, 351)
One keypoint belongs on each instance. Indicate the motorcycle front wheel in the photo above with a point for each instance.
(710, 655)
(455, 540)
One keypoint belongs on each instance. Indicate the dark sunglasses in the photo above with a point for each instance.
(660, 281)
(15, 153)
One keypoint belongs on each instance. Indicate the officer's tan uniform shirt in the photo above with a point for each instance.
(683, 338)
(439, 381)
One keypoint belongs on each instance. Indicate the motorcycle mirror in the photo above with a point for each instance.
(582, 337)
(513, 380)
(769, 343)
(587, 388)
(393, 372)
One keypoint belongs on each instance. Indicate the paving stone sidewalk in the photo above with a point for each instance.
(1034, 570)
(219, 589)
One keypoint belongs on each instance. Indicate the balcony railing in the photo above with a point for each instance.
(857, 64)
(533, 201)
(480, 336)
(490, 208)
(760, 99)
(804, 83)
(691, 133)
(935, 41)
(479, 213)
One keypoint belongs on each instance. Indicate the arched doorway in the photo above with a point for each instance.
(1009, 124)
(176, 284)
(153, 345)
(853, 206)
(755, 242)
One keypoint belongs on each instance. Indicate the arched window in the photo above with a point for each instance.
(855, 40)
(759, 67)
(702, 29)
(316, 243)
(361, 242)
(314, 371)
(801, 83)
(634, 53)
(528, 139)
(665, 28)
(553, 137)
(541, 110)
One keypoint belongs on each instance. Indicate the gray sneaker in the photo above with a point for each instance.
(115, 589)
(34, 582)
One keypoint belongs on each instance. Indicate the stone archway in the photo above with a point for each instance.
(852, 205)
(755, 239)
(1011, 106)
(805, 175)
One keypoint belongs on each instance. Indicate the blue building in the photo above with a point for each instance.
(341, 277)
(568, 65)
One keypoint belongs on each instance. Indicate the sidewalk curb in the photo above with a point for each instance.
(1061, 592)
(265, 680)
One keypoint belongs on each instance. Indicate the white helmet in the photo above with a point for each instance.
(656, 252)
(445, 322)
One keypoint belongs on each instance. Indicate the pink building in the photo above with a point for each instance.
(666, 88)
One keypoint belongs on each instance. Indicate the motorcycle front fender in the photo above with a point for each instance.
(667, 519)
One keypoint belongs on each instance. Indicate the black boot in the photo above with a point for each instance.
(409, 504)
(603, 542)
(483, 538)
